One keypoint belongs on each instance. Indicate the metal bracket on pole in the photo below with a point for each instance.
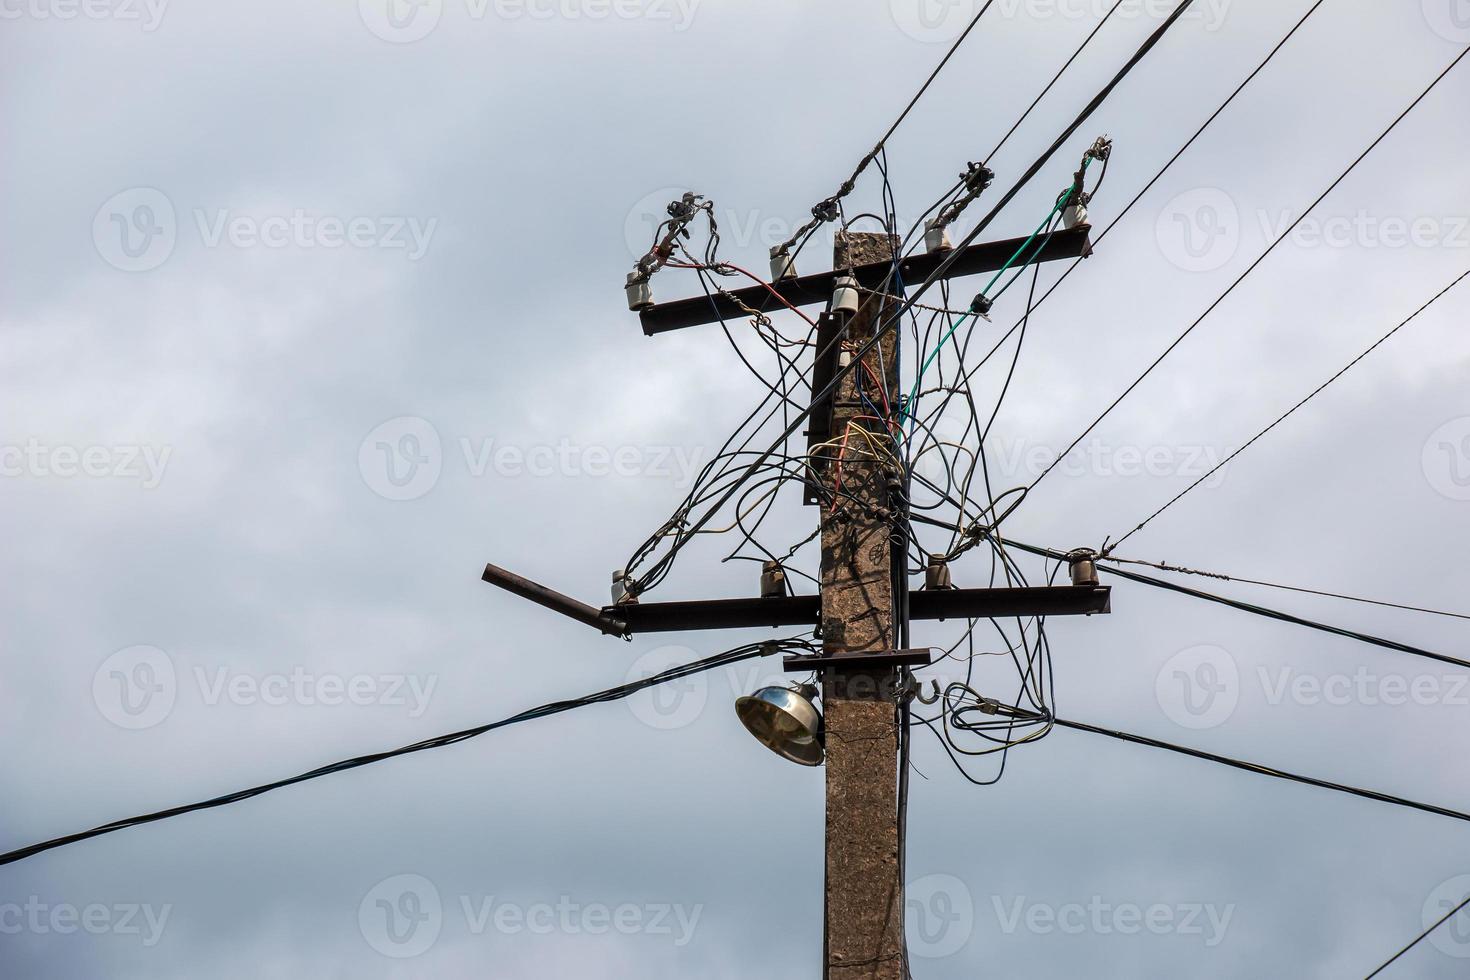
(606, 620)
(859, 661)
(1069, 243)
(627, 619)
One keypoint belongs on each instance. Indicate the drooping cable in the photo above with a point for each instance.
(733, 656)
(1165, 567)
(660, 568)
(1254, 609)
(1366, 794)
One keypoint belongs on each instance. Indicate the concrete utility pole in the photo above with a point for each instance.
(864, 893)
(865, 603)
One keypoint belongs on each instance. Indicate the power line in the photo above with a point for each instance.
(1004, 715)
(733, 656)
(1253, 608)
(937, 275)
(1163, 567)
(1420, 938)
(1055, 78)
(1155, 179)
(826, 209)
(1367, 794)
(1291, 411)
(1253, 266)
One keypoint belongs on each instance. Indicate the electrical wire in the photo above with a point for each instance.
(825, 210)
(1366, 794)
(1420, 938)
(1055, 78)
(733, 656)
(1253, 266)
(1164, 567)
(1291, 411)
(1168, 165)
(1255, 609)
(660, 568)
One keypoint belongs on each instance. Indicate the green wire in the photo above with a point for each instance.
(1065, 196)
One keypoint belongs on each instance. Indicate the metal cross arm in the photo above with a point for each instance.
(631, 618)
(807, 290)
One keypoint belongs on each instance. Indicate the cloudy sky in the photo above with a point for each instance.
(261, 255)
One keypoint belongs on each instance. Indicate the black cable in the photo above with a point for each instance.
(734, 656)
(1420, 938)
(1158, 176)
(1288, 588)
(1291, 411)
(1252, 608)
(847, 186)
(1253, 266)
(1055, 78)
(1367, 794)
(937, 275)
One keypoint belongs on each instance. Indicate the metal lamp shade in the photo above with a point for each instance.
(785, 722)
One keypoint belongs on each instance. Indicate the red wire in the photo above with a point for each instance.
(754, 278)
